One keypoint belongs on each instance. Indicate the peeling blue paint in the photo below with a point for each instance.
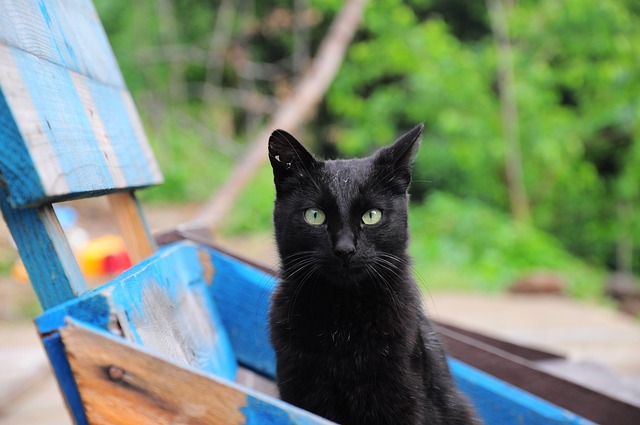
(62, 369)
(268, 412)
(64, 121)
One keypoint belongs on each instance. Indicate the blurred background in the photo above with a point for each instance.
(531, 153)
(527, 179)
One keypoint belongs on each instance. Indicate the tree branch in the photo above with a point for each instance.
(293, 112)
(509, 111)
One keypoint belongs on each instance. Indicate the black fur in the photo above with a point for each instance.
(351, 340)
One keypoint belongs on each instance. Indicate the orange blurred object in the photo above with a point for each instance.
(104, 255)
(100, 256)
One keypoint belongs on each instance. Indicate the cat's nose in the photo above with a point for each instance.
(344, 247)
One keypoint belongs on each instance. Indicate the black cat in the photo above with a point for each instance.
(351, 339)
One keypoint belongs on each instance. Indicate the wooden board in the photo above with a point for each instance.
(45, 252)
(64, 32)
(68, 125)
(128, 216)
(64, 135)
(500, 403)
(242, 294)
(122, 384)
(518, 367)
(162, 304)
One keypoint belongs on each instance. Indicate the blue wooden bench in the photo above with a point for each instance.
(166, 340)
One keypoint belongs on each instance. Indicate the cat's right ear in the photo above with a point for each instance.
(288, 157)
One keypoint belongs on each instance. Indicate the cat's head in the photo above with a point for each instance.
(341, 219)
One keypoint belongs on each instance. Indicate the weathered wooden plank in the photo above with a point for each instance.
(65, 32)
(67, 136)
(133, 228)
(45, 252)
(60, 364)
(122, 384)
(163, 304)
(500, 403)
(513, 369)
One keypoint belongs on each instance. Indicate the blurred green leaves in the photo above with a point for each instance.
(577, 80)
(576, 67)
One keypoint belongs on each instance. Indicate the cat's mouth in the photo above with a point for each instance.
(347, 271)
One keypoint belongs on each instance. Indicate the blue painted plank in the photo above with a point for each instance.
(263, 410)
(45, 252)
(162, 304)
(62, 370)
(57, 107)
(17, 169)
(242, 294)
(65, 32)
(132, 157)
(72, 135)
(500, 403)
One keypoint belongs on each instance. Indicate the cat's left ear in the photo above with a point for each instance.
(396, 160)
(288, 157)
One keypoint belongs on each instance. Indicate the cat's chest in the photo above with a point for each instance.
(348, 326)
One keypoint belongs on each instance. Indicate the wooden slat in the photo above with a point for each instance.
(242, 294)
(122, 384)
(65, 32)
(499, 403)
(45, 252)
(133, 228)
(67, 135)
(162, 303)
(523, 374)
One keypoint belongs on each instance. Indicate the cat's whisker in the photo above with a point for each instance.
(303, 281)
(334, 322)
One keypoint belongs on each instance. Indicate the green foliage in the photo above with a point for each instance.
(464, 244)
(192, 167)
(252, 212)
(575, 64)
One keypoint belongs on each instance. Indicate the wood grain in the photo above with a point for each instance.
(68, 136)
(122, 384)
(128, 216)
(67, 33)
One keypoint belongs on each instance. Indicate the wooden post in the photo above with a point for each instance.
(133, 228)
(45, 251)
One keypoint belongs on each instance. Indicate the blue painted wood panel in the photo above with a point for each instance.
(138, 305)
(62, 370)
(72, 136)
(242, 294)
(45, 252)
(500, 403)
(161, 304)
(65, 32)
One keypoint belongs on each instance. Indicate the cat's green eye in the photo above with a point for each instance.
(372, 216)
(314, 216)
